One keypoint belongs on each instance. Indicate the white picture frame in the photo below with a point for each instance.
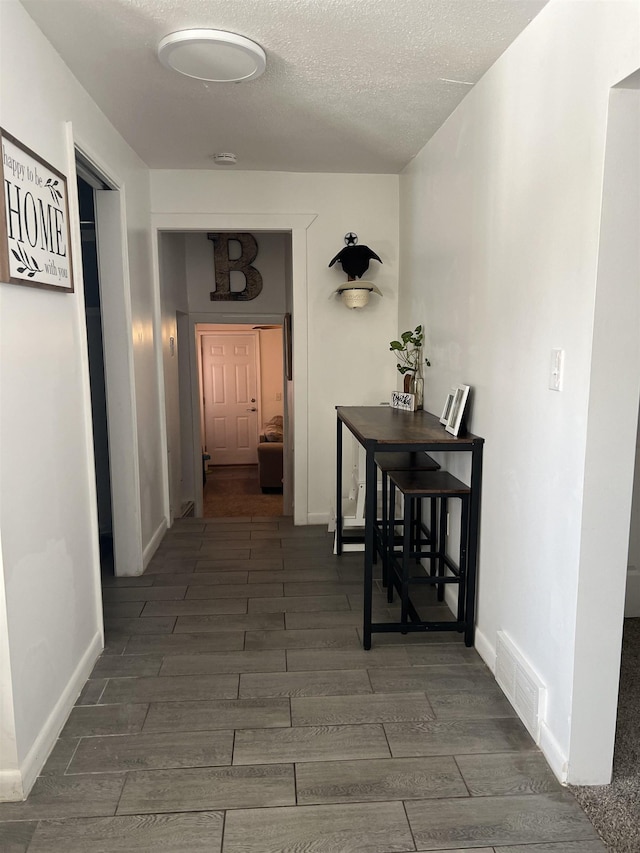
(444, 417)
(457, 409)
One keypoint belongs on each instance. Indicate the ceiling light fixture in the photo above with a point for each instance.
(213, 55)
(224, 159)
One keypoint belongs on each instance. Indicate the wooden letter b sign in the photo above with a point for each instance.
(225, 265)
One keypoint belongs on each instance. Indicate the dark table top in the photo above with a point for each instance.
(388, 426)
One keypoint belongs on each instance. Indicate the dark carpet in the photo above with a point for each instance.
(614, 809)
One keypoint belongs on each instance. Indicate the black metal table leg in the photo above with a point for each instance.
(407, 544)
(464, 547)
(442, 544)
(391, 538)
(385, 528)
(339, 488)
(369, 543)
(474, 530)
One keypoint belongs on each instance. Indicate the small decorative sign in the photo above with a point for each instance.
(401, 400)
(35, 247)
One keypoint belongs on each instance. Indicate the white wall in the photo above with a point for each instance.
(49, 569)
(632, 601)
(173, 291)
(347, 353)
(269, 263)
(500, 219)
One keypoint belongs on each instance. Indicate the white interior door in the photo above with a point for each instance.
(230, 392)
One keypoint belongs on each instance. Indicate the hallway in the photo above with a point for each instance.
(234, 711)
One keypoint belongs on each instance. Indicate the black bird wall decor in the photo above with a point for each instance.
(353, 258)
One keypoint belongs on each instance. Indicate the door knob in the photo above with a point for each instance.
(252, 409)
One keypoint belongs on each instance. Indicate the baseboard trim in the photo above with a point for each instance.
(154, 543)
(485, 649)
(552, 751)
(46, 739)
(11, 790)
(318, 518)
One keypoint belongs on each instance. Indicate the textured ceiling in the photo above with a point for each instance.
(350, 85)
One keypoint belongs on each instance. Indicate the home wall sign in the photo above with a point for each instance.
(225, 265)
(35, 246)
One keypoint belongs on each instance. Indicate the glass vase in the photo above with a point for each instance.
(417, 388)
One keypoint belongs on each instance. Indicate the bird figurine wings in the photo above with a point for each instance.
(354, 259)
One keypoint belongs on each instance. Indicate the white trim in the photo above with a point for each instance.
(231, 221)
(159, 358)
(154, 543)
(83, 345)
(482, 645)
(197, 421)
(485, 649)
(119, 358)
(547, 743)
(552, 751)
(317, 518)
(300, 375)
(50, 731)
(119, 368)
(11, 790)
(10, 780)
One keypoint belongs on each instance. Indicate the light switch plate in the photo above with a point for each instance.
(556, 369)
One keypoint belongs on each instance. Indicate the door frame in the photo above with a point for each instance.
(297, 224)
(111, 231)
(196, 320)
(202, 333)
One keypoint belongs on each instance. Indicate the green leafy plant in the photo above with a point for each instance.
(408, 351)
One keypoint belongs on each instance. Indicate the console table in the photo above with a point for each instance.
(382, 428)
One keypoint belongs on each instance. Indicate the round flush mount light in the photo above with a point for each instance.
(213, 55)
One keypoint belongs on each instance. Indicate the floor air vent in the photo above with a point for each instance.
(522, 686)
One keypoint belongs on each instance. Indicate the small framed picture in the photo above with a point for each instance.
(457, 409)
(406, 402)
(444, 417)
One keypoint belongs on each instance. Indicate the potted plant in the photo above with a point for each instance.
(408, 351)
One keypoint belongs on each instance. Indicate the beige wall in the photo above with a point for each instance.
(271, 372)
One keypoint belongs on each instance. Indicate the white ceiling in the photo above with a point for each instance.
(350, 86)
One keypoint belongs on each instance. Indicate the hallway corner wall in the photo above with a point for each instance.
(500, 221)
(48, 518)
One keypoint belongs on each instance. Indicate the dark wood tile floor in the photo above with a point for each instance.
(235, 711)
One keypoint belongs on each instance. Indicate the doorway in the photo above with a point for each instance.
(230, 375)
(88, 183)
(241, 378)
(112, 389)
(182, 297)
